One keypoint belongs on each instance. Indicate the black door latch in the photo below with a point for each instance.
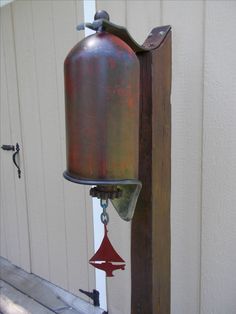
(16, 150)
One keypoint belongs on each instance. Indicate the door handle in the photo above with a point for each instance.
(8, 147)
(16, 150)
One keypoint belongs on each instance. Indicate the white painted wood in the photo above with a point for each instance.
(41, 292)
(139, 17)
(115, 8)
(13, 301)
(14, 222)
(3, 131)
(60, 212)
(5, 2)
(8, 204)
(187, 20)
(78, 204)
(218, 293)
(119, 287)
(16, 136)
(98, 229)
(142, 17)
(118, 294)
(3, 239)
(7, 176)
(31, 132)
(47, 101)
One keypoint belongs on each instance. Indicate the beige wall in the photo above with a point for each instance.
(203, 220)
(203, 215)
(218, 254)
(55, 214)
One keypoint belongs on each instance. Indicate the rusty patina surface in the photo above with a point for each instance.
(102, 109)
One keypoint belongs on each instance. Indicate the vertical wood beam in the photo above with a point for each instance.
(150, 237)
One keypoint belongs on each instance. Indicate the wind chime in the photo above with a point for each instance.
(106, 258)
(102, 126)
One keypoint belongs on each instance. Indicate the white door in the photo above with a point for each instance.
(37, 35)
(14, 236)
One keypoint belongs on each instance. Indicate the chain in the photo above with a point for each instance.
(104, 215)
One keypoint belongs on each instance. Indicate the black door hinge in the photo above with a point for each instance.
(93, 295)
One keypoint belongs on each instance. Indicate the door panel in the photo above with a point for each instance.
(14, 221)
(60, 213)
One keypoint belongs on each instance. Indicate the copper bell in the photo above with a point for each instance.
(102, 118)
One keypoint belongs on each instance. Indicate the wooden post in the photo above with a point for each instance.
(150, 242)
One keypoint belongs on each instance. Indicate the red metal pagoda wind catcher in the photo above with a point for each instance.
(102, 125)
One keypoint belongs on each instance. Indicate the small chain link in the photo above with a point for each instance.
(104, 215)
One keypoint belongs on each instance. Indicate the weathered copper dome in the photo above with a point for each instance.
(102, 117)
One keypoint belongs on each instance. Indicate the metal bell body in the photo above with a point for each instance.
(102, 109)
(102, 118)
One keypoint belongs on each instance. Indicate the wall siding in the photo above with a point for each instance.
(15, 244)
(140, 17)
(187, 20)
(11, 246)
(218, 276)
(203, 219)
(60, 213)
(118, 293)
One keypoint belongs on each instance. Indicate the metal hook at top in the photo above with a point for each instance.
(97, 24)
